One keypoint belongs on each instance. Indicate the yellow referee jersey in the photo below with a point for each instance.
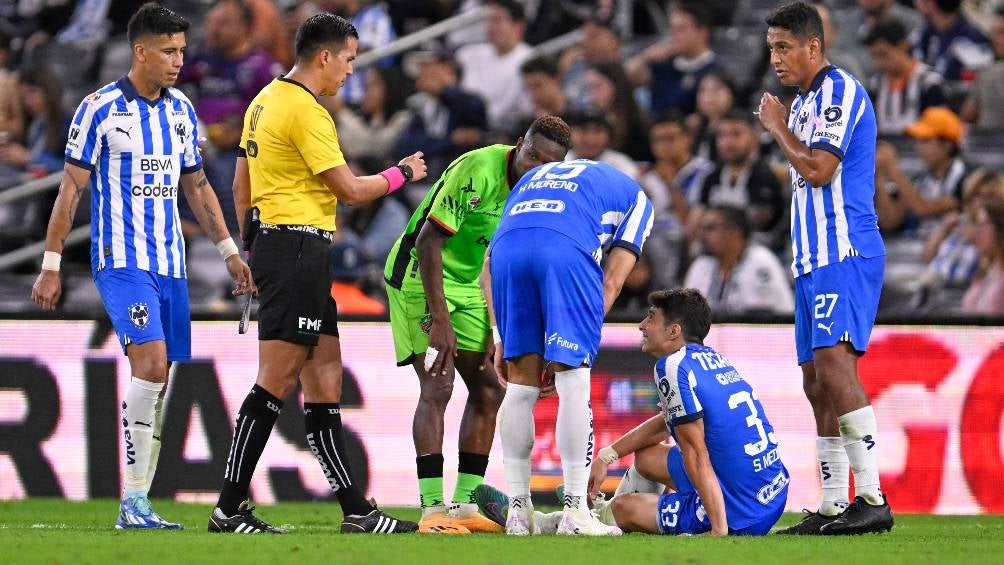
(289, 139)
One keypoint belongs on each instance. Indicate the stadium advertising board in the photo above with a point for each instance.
(938, 393)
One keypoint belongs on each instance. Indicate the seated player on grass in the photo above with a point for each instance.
(724, 473)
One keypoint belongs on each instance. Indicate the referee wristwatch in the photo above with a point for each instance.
(406, 171)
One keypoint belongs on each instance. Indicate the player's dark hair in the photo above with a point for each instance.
(543, 65)
(890, 30)
(703, 15)
(801, 19)
(553, 128)
(154, 19)
(684, 306)
(320, 30)
(514, 8)
(734, 218)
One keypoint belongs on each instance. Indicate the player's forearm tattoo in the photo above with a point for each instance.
(202, 181)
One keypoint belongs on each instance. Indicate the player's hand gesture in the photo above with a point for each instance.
(417, 164)
(47, 289)
(501, 368)
(241, 274)
(597, 474)
(443, 339)
(487, 360)
(773, 114)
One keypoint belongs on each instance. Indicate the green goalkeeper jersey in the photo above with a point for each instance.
(466, 201)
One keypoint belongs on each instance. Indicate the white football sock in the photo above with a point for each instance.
(834, 470)
(634, 482)
(517, 432)
(574, 433)
(158, 426)
(858, 431)
(138, 422)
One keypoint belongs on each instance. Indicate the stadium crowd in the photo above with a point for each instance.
(663, 93)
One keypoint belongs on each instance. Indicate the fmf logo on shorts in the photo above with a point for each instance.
(309, 324)
(538, 205)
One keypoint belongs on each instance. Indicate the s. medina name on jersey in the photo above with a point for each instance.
(838, 219)
(136, 150)
(697, 382)
(466, 202)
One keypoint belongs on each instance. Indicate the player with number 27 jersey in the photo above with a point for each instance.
(696, 382)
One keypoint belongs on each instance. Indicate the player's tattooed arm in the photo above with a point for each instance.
(71, 187)
(205, 205)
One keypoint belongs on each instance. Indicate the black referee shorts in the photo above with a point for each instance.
(294, 286)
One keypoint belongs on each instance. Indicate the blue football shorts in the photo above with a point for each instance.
(548, 296)
(146, 306)
(681, 512)
(837, 303)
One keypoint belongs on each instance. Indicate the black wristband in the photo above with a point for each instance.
(406, 171)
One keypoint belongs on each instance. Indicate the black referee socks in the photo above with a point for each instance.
(325, 439)
(255, 420)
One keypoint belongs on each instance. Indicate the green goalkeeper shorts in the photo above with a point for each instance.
(410, 320)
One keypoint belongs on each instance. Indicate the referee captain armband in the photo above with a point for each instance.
(227, 248)
(395, 178)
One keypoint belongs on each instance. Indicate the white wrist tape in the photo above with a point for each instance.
(50, 261)
(227, 248)
(608, 455)
(496, 336)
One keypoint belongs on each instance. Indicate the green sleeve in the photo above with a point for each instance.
(450, 204)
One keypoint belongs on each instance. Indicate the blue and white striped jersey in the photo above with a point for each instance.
(136, 150)
(836, 220)
(592, 203)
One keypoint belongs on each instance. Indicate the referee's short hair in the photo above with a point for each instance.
(553, 128)
(154, 19)
(320, 30)
(687, 307)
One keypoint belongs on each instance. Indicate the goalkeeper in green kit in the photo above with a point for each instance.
(439, 317)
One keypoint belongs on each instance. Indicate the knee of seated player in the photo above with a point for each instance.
(650, 462)
(636, 512)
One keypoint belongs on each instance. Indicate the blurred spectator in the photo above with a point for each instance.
(600, 44)
(675, 177)
(542, 84)
(951, 258)
(847, 57)
(736, 275)
(859, 23)
(492, 70)
(716, 97)
(985, 106)
(349, 264)
(742, 179)
(905, 87)
(672, 67)
(916, 207)
(371, 132)
(609, 92)
(227, 72)
(375, 29)
(949, 43)
(591, 137)
(269, 33)
(986, 293)
(11, 119)
(447, 120)
(40, 151)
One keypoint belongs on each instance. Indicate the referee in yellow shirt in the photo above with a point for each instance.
(292, 174)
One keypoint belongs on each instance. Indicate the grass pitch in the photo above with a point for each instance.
(56, 531)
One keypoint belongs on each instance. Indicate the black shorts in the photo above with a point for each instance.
(293, 277)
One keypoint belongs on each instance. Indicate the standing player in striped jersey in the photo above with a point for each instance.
(829, 140)
(133, 142)
(550, 295)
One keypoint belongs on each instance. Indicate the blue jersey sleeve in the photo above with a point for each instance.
(636, 225)
(840, 106)
(86, 137)
(678, 389)
(192, 160)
